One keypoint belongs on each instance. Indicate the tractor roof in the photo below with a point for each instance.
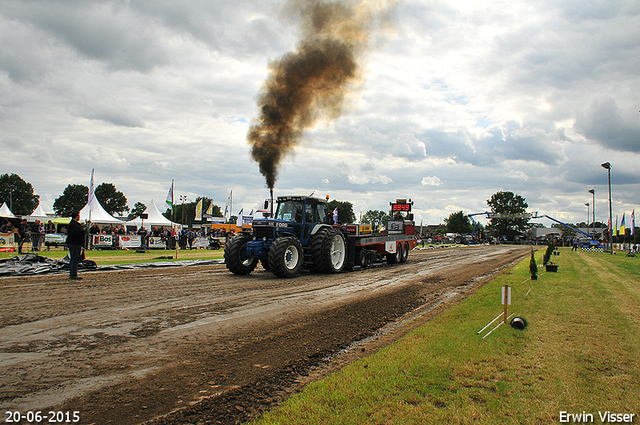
(301, 199)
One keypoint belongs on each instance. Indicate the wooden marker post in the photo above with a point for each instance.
(506, 300)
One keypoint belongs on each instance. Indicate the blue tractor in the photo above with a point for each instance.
(300, 234)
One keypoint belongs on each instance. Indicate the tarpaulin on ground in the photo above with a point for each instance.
(161, 264)
(30, 264)
(33, 264)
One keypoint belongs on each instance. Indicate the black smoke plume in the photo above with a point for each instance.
(311, 82)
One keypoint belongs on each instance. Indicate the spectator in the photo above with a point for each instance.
(36, 236)
(75, 243)
(23, 234)
(50, 227)
(191, 236)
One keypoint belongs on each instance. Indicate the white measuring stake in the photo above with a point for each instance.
(497, 326)
(488, 324)
(506, 299)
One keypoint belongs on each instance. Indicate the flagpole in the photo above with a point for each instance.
(91, 194)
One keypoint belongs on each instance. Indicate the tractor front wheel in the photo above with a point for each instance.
(235, 256)
(286, 257)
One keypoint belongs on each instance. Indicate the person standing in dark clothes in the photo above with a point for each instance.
(75, 243)
(23, 234)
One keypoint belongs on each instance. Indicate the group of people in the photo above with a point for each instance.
(187, 237)
(29, 232)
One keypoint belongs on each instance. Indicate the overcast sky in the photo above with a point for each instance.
(458, 100)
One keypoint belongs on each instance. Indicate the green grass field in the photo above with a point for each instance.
(579, 355)
(111, 257)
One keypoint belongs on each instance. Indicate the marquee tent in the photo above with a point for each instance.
(39, 213)
(98, 214)
(155, 218)
(5, 211)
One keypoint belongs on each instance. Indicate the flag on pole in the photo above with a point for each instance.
(633, 222)
(169, 199)
(210, 209)
(199, 210)
(335, 216)
(623, 231)
(92, 194)
(239, 219)
(615, 229)
(228, 204)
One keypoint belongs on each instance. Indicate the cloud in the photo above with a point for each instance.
(605, 123)
(431, 181)
(458, 100)
(97, 30)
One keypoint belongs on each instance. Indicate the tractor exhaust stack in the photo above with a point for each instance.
(271, 205)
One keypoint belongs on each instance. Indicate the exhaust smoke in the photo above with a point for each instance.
(311, 82)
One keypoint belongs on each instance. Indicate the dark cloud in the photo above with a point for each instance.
(509, 141)
(102, 31)
(226, 26)
(604, 123)
(118, 116)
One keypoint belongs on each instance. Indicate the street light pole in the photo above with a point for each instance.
(607, 166)
(12, 187)
(183, 198)
(587, 204)
(593, 192)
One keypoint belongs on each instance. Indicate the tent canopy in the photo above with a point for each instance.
(155, 218)
(39, 213)
(98, 214)
(5, 211)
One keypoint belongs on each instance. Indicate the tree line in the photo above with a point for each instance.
(508, 209)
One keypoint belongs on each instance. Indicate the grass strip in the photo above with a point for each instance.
(113, 257)
(578, 354)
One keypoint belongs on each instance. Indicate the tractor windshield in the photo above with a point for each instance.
(290, 211)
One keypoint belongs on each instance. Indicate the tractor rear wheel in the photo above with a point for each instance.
(235, 256)
(315, 244)
(334, 252)
(286, 256)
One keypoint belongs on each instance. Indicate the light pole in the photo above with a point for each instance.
(593, 192)
(607, 166)
(183, 198)
(12, 187)
(587, 204)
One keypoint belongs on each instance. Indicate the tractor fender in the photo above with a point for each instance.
(319, 226)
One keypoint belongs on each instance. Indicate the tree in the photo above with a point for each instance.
(74, 198)
(345, 210)
(112, 200)
(566, 232)
(509, 214)
(458, 222)
(17, 194)
(372, 217)
(138, 208)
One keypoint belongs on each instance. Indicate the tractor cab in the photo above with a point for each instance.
(302, 212)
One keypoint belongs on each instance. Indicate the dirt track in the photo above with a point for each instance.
(197, 344)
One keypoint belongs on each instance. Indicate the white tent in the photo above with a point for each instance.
(39, 213)
(155, 218)
(5, 211)
(98, 214)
